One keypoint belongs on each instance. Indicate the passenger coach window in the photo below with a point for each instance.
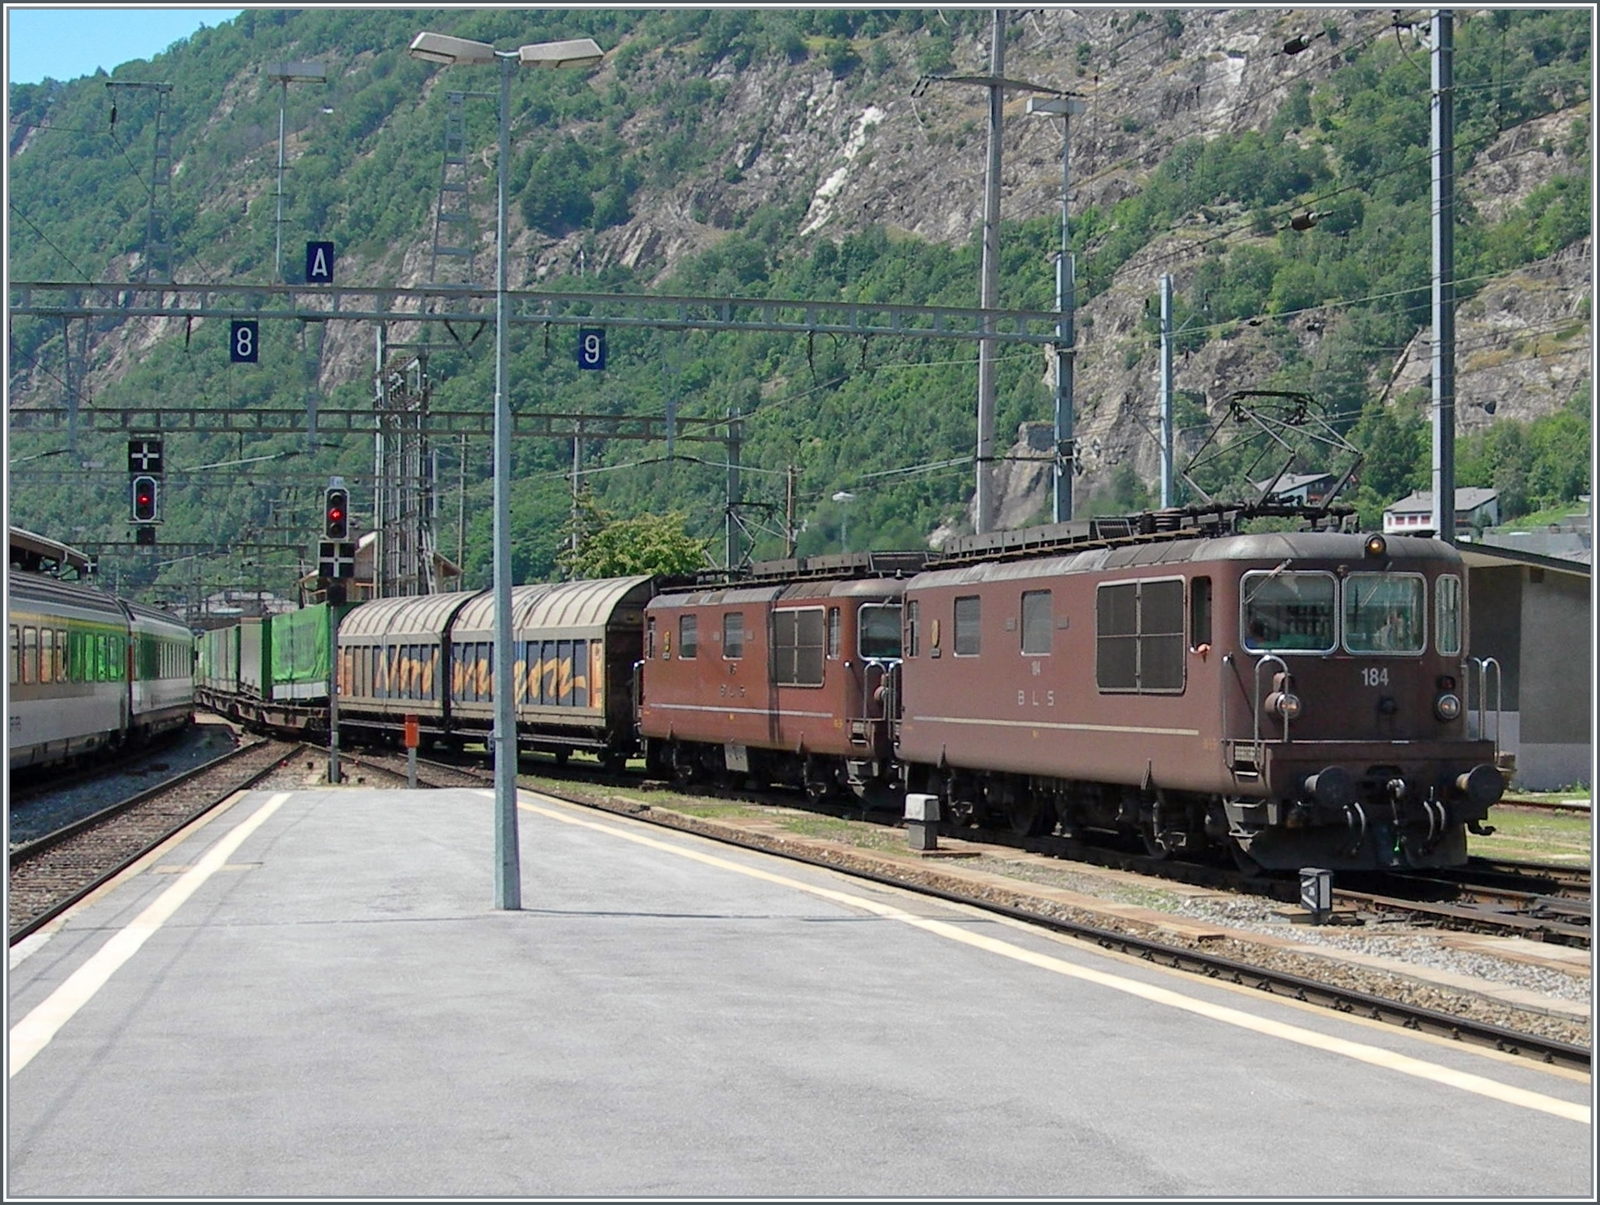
(1287, 612)
(688, 641)
(1447, 615)
(1139, 637)
(1036, 623)
(733, 635)
(14, 651)
(878, 634)
(30, 654)
(968, 611)
(47, 655)
(1385, 613)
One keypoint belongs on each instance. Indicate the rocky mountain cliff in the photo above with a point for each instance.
(838, 134)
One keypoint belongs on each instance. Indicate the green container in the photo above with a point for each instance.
(302, 651)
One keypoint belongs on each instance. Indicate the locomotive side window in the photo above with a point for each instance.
(1139, 637)
(1447, 615)
(733, 635)
(1036, 623)
(650, 637)
(913, 629)
(797, 646)
(688, 636)
(968, 614)
(1385, 613)
(833, 631)
(1287, 612)
(1199, 612)
(879, 631)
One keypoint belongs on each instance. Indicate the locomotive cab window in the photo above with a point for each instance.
(733, 635)
(878, 634)
(688, 636)
(1385, 613)
(968, 615)
(1036, 623)
(1287, 612)
(1447, 615)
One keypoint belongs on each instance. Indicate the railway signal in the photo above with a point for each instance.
(145, 497)
(336, 513)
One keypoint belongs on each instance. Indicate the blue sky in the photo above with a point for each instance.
(66, 43)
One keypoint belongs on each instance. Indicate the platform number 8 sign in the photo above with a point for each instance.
(591, 347)
(244, 342)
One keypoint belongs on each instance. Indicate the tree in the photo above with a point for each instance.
(612, 547)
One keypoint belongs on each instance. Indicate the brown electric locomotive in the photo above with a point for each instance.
(1294, 697)
(780, 678)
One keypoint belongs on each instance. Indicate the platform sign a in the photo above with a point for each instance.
(244, 341)
(319, 263)
(591, 347)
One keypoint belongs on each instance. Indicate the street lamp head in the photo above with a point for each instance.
(578, 52)
(298, 73)
(442, 48)
(1056, 106)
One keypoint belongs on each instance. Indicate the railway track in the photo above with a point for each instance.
(1531, 900)
(55, 871)
(1198, 962)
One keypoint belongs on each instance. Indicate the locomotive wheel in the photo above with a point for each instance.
(1028, 819)
(818, 781)
(1159, 851)
(1242, 858)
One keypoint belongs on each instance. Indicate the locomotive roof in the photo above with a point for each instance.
(1313, 547)
(862, 587)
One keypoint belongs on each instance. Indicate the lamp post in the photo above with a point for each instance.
(1066, 304)
(844, 498)
(286, 74)
(984, 500)
(582, 52)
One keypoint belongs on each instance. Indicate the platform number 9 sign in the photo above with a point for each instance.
(244, 342)
(591, 347)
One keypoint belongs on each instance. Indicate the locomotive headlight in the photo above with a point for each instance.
(1283, 703)
(1447, 707)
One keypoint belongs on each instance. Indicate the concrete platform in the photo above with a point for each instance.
(313, 994)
